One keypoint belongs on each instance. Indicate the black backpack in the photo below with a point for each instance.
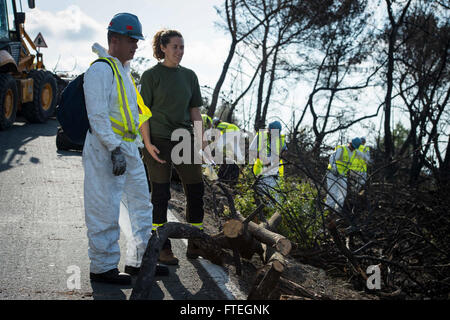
(71, 112)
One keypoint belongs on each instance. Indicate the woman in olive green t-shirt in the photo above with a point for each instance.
(173, 95)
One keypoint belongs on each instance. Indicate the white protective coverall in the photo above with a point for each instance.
(337, 183)
(103, 191)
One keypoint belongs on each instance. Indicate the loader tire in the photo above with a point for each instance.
(9, 97)
(44, 97)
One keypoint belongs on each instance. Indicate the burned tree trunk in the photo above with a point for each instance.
(212, 251)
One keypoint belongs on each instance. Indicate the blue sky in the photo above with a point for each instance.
(70, 27)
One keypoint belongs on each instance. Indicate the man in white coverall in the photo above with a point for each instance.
(114, 171)
(339, 165)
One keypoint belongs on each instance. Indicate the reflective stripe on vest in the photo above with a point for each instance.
(125, 127)
(358, 164)
(280, 143)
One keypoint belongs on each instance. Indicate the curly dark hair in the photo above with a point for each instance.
(163, 37)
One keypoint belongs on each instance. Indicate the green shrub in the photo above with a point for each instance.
(294, 199)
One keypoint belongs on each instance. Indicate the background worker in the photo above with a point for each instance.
(207, 122)
(269, 146)
(231, 136)
(359, 164)
(113, 167)
(338, 168)
(173, 94)
(224, 126)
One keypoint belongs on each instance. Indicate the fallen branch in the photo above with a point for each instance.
(289, 287)
(173, 230)
(344, 250)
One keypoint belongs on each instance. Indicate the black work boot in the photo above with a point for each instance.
(112, 276)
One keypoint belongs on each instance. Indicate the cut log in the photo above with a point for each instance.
(271, 255)
(212, 251)
(264, 288)
(281, 243)
(273, 222)
(233, 229)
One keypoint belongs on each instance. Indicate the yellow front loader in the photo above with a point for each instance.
(25, 85)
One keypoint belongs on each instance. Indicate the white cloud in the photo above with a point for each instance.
(69, 35)
(206, 58)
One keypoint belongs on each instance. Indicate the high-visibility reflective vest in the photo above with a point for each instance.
(144, 111)
(343, 165)
(207, 121)
(358, 164)
(280, 144)
(126, 127)
(227, 127)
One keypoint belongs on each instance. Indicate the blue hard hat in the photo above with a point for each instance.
(356, 143)
(276, 125)
(127, 24)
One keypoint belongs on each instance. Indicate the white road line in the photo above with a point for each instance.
(223, 281)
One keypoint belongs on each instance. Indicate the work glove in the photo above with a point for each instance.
(118, 161)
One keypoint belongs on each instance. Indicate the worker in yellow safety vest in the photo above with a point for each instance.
(114, 172)
(339, 165)
(359, 164)
(207, 122)
(224, 126)
(269, 145)
(231, 136)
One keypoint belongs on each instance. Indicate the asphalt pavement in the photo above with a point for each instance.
(43, 241)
